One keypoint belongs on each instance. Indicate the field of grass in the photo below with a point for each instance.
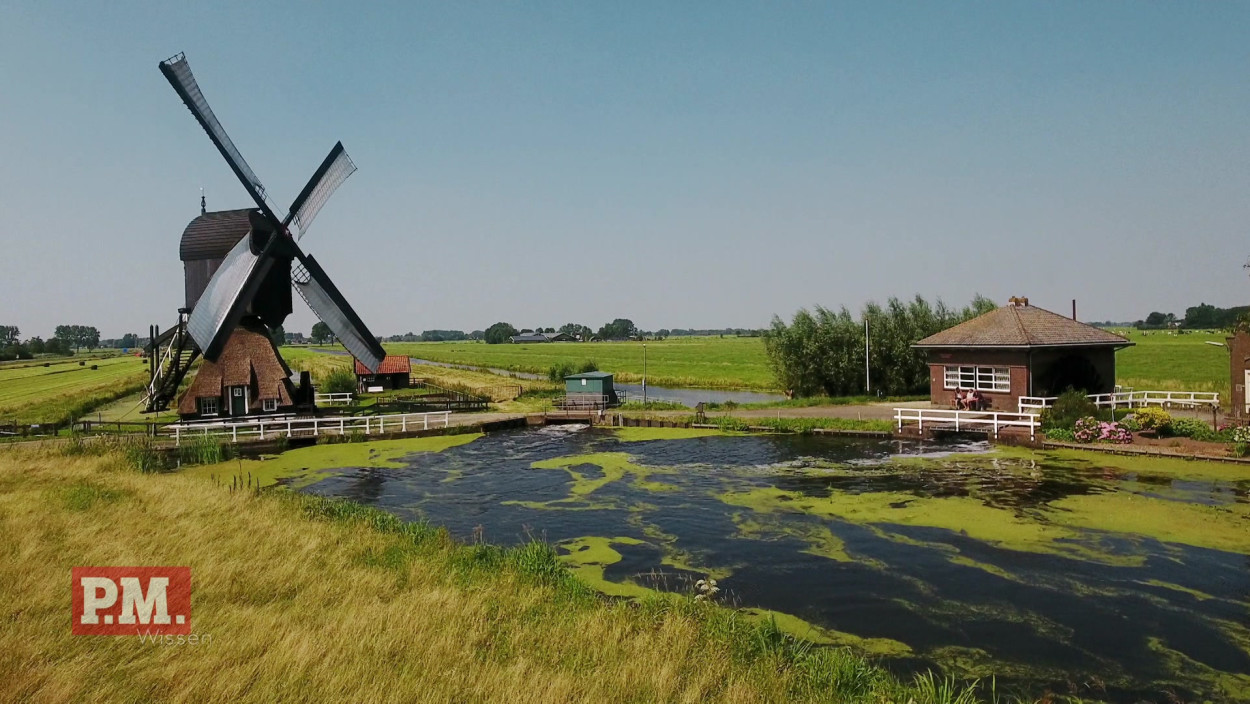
(64, 390)
(729, 362)
(1171, 362)
(300, 598)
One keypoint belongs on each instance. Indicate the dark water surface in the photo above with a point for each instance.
(974, 565)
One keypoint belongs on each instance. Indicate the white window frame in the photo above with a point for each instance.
(269, 404)
(994, 380)
(205, 401)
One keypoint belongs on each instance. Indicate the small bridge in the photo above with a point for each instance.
(952, 421)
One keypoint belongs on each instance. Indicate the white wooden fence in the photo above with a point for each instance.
(260, 429)
(947, 419)
(339, 399)
(1132, 399)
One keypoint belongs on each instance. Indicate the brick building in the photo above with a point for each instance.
(395, 372)
(1239, 366)
(1019, 350)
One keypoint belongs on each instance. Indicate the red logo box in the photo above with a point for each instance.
(128, 601)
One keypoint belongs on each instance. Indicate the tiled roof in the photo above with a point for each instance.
(391, 364)
(210, 236)
(1022, 326)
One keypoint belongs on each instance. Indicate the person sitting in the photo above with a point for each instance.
(974, 400)
(959, 399)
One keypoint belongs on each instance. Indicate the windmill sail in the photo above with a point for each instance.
(333, 171)
(321, 295)
(178, 72)
(223, 302)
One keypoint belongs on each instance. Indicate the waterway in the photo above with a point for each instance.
(1113, 578)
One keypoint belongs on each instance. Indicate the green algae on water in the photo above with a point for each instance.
(308, 465)
(645, 434)
(588, 556)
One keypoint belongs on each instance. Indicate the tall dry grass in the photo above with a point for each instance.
(307, 599)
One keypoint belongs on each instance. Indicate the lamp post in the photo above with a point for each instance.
(644, 377)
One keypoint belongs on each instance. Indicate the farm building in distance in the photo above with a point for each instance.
(395, 372)
(1019, 350)
(249, 378)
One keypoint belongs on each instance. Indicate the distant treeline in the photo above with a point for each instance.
(67, 340)
(1200, 317)
(823, 352)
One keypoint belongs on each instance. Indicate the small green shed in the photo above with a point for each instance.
(591, 384)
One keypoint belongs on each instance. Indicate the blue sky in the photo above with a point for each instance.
(680, 164)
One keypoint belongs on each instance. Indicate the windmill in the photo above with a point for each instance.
(240, 268)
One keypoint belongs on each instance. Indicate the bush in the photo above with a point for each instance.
(339, 381)
(559, 370)
(1241, 434)
(1152, 418)
(1189, 428)
(1060, 435)
(1091, 429)
(1240, 449)
(1070, 407)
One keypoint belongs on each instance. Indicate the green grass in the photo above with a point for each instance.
(64, 390)
(1170, 362)
(729, 362)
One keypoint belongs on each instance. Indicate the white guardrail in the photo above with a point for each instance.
(339, 399)
(966, 420)
(261, 428)
(1131, 399)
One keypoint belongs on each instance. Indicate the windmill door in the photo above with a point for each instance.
(238, 400)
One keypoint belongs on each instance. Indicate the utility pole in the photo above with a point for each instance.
(644, 376)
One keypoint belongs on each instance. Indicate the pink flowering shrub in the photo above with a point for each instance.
(1091, 429)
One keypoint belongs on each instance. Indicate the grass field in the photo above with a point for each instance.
(64, 390)
(299, 598)
(729, 362)
(1171, 362)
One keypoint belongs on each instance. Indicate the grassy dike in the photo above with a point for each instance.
(305, 598)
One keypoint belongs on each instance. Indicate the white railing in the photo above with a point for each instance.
(966, 420)
(261, 428)
(339, 399)
(1132, 399)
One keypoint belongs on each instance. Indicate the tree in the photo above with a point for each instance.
(130, 340)
(56, 346)
(498, 333)
(9, 335)
(823, 352)
(619, 329)
(78, 336)
(36, 346)
(278, 335)
(321, 333)
(477, 335)
(581, 332)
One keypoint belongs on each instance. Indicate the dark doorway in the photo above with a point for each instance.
(1074, 371)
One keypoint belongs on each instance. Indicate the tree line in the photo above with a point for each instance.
(823, 352)
(1203, 316)
(67, 339)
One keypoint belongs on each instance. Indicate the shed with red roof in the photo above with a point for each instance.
(394, 372)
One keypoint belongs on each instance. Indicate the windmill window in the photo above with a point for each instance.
(208, 405)
(269, 404)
